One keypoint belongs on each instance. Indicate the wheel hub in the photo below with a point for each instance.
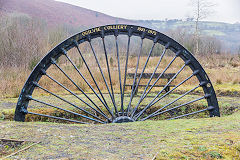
(123, 119)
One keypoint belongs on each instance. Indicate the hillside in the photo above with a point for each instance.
(228, 34)
(55, 13)
(58, 12)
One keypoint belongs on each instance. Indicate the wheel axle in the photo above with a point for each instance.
(123, 119)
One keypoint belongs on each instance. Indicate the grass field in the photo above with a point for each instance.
(198, 138)
(206, 138)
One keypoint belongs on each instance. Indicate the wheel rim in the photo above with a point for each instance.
(138, 50)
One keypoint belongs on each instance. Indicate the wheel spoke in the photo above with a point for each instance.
(59, 118)
(99, 66)
(74, 95)
(37, 85)
(154, 102)
(145, 65)
(174, 108)
(109, 76)
(150, 79)
(141, 99)
(126, 66)
(143, 94)
(167, 93)
(158, 111)
(104, 103)
(203, 110)
(53, 61)
(139, 78)
(135, 76)
(48, 104)
(177, 54)
(119, 72)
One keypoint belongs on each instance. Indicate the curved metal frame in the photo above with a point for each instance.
(102, 31)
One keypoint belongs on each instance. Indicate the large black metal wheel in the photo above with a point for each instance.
(117, 73)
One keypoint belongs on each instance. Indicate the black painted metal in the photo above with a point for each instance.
(123, 119)
(99, 110)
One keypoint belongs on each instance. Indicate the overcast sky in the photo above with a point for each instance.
(225, 10)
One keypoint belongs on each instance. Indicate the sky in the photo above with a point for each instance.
(224, 10)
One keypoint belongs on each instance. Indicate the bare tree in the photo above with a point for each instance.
(201, 10)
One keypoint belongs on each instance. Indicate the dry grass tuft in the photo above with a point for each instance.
(220, 69)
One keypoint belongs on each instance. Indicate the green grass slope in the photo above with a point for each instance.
(206, 138)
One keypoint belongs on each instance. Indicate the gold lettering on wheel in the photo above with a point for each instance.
(141, 29)
(115, 27)
(90, 31)
(98, 29)
(120, 26)
(152, 32)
